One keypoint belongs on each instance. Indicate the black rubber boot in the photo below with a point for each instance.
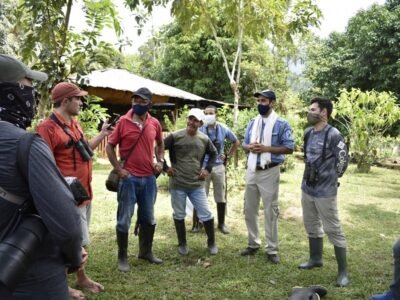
(146, 235)
(212, 246)
(316, 245)
(221, 208)
(342, 279)
(181, 233)
(122, 241)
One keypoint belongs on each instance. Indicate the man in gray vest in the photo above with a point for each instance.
(40, 186)
(326, 160)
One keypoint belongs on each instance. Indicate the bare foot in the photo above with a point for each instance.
(75, 294)
(91, 286)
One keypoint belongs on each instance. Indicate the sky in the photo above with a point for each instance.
(336, 14)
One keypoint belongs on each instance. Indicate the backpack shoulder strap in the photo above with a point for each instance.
(325, 141)
(23, 149)
(306, 137)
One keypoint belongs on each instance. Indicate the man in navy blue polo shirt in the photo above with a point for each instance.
(267, 139)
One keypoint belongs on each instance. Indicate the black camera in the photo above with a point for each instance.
(84, 149)
(17, 250)
(77, 189)
(217, 145)
(311, 175)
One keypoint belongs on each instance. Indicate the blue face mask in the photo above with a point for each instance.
(263, 109)
(139, 109)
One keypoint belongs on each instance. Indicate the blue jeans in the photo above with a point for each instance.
(198, 198)
(140, 190)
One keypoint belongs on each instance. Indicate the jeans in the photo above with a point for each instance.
(197, 197)
(140, 190)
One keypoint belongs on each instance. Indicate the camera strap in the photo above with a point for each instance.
(323, 155)
(216, 136)
(67, 132)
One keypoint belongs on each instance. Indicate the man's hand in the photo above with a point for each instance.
(106, 129)
(158, 167)
(122, 173)
(258, 148)
(171, 172)
(203, 174)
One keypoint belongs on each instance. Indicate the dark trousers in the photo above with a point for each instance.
(52, 288)
(395, 286)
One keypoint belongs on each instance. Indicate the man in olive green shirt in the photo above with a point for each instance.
(187, 149)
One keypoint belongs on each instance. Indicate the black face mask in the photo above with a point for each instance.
(17, 104)
(263, 109)
(139, 109)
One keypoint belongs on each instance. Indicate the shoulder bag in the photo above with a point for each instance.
(112, 181)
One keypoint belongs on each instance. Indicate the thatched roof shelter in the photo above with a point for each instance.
(116, 86)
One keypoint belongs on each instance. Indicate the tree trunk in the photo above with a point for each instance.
(236, 100)
(363, 167)
(235, 90)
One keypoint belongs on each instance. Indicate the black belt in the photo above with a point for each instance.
(267, 166)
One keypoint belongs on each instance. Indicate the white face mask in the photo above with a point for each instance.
(209, 120)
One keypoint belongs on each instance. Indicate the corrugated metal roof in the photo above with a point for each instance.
(123, 80)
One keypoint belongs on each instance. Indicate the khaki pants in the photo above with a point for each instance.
(264, 184)
(86, 213)
(321, 215)
(217, 177)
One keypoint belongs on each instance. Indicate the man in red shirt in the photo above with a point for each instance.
(72, 153)
(135, 134)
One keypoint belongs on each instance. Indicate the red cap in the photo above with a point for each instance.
(65, 90)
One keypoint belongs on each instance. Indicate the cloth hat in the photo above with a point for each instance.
(143, 93)
(64, 90)
(197, 113)
(11, 69)
(267, 94)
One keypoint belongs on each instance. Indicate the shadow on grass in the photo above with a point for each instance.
(390, 192)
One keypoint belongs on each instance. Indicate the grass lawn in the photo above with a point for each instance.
(369, 207)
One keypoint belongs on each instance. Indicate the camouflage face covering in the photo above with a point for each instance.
(17, 104)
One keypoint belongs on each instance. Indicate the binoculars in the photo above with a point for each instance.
(311, 175)
(17, 251)
(84, 149)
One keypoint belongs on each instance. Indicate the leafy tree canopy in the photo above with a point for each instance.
(277, 21)
(366, 116)
(46, 40)
(366, 56)
(193, 63)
